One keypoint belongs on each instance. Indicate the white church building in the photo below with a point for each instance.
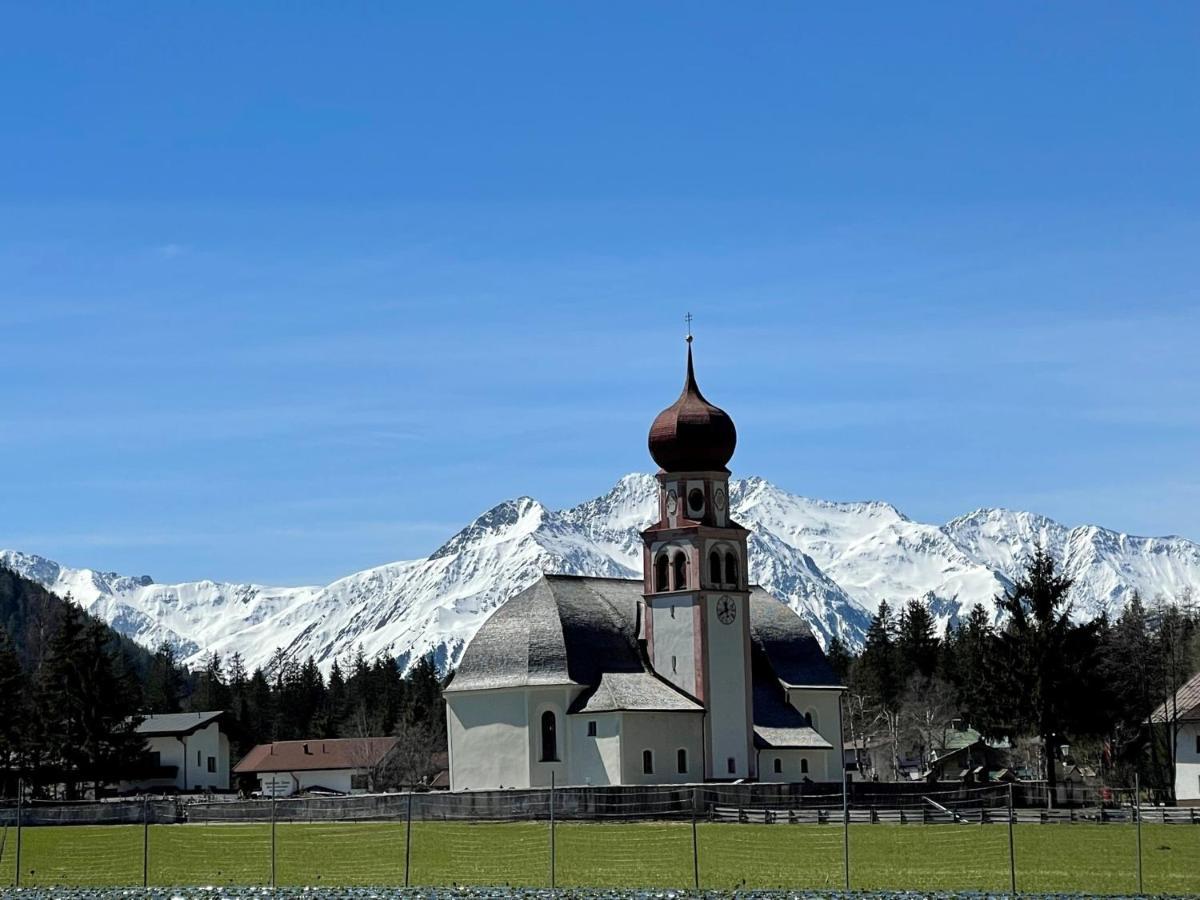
(690, 674)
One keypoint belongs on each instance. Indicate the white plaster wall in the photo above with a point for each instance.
(663, 733)
(826, 709)
(488, 739)
(291, 782)
(189, 755)
(819, 767)
(675, 639)
(725, 691)
(595, 760)
(1187, 764)
(558, 699)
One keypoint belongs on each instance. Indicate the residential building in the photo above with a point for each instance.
(332, 765)
(1181, 716)
(187, 752)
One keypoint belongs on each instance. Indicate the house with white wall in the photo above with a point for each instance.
(334, 765)
(187, 752)
(1181, 716)
(688, 674)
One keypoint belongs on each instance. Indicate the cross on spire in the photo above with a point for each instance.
(688, 318)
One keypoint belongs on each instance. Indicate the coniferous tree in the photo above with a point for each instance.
(916, 642)
(839, 658)
(12, 713)
(877, 670)
(164, 682)
(1034, 648)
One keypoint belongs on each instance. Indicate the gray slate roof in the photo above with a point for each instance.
(776, 722)
(562, 629)
(572, 630)
(176, 723)
(788, 643)
(634, 690)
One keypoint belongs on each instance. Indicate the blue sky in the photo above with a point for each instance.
(287, 291)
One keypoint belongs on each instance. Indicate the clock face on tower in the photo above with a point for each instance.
(726, 610)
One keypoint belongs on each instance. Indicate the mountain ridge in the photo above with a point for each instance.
(831, 561)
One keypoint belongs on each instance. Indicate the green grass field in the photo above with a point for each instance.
(1092, 859)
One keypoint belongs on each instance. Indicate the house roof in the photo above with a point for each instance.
(165, 724)
(303, 756)
(1185, 704)
(634, 691)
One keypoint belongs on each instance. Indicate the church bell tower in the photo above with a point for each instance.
(696, 600)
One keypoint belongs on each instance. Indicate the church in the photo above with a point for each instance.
(688, 675)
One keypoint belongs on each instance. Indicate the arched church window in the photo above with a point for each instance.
(778, 766)
(803, 766)
(662, 573)
(647, 762)
(549, 736)
(810, 718)
(680, 572)
(714, 567)
(681, 760)
(731, 568)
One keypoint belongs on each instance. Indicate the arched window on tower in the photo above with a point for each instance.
(731, 568)
(549, 737)
(714, 567)
(680, 571)
(662, 573)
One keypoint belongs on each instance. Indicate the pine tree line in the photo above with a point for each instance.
(72, 692)
(1027, 671)
(293, 700)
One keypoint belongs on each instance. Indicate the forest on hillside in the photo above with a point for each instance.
(72, 692)
(1028, 673)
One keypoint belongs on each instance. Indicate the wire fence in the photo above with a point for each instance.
(700, 837)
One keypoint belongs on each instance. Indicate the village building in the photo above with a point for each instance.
(689, 674)
(187, 752)
(1180, 715)
(332, 765)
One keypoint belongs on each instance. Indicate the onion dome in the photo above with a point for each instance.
(692, 435)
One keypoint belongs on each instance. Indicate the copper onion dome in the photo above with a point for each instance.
(692, 435)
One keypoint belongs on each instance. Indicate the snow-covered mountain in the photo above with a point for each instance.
(832, 562)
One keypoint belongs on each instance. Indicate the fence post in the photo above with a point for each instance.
(552, 854)
(695, 844)
(145, 841)
(846, 826)
(1012, 854)
(20, 800)
(273, 798)
(408, 837)
(1137, 811)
